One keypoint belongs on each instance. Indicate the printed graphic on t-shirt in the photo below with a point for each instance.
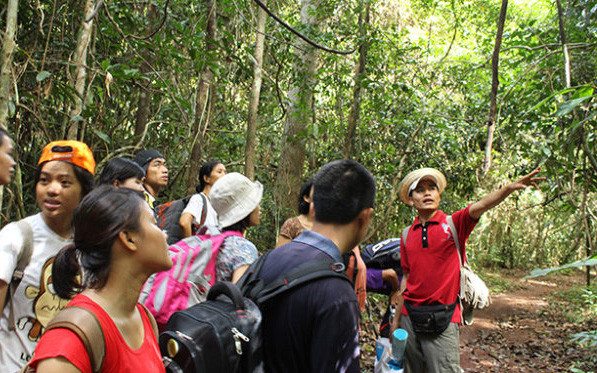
(46, 304)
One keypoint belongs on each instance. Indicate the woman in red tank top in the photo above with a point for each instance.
(117, 246)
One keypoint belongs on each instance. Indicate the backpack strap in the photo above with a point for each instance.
(22, 262)
(154, 324)
(460, 261)
(203, 209)
(302, 274)
(405, 234)
(455, 235)
(87, 327)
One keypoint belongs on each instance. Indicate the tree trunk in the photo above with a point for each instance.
(299, 114)
(8, 45)
(203, 92)
(80, 61)
(494, 86)
(355, 110)
(144, 99)
(252, 118)
(564, 44)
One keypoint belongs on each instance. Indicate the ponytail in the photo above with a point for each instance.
(66, 272)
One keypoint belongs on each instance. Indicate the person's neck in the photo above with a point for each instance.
(152, 189)
(306, 221)
(426, 215)
(341, 235)
(119, 296)
(59, 225)
(206, 189)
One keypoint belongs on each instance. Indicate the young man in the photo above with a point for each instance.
(156, 173)
(314, 327)
(432, 269)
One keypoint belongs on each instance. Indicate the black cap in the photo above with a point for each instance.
(145, 156)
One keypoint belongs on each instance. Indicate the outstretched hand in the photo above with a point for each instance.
(527, 180)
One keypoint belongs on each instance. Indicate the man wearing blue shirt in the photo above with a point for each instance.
(314, 327)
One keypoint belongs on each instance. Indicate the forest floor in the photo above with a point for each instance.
(527, 328)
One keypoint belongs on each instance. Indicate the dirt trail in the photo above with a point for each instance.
(525, 330)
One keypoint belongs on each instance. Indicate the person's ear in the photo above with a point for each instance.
(410, 201)
(312, 210)
(128, 240)
(366, 216)
(116, 183)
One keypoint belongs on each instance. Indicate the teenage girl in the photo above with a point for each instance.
(194, 211)
(64, 175)
(122, 173)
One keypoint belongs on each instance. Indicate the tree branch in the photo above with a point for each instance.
(289, 28)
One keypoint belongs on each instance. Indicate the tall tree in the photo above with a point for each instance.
(360, 73)
(252, 118)
(80, 75)
(203, 92)
(495, 81)
(144, 95)
(8, 45)
(299, 114)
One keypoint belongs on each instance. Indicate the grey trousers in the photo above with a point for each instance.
(431, 354)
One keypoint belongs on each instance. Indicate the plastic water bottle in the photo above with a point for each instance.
(399, 337)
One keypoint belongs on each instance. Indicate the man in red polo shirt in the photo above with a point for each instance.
(431, 268)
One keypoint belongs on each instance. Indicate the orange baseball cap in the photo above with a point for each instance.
(71, 151)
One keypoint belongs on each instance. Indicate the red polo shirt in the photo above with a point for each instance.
(431, 260)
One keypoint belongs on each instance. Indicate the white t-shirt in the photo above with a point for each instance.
(195, 207)
(34, 302)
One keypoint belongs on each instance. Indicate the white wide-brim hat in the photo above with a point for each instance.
(234, 197)
(411, 181)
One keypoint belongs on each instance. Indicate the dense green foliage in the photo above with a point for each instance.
(425, 103)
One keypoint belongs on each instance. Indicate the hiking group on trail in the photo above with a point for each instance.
(83, 281)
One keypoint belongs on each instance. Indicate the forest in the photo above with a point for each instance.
(485, 91)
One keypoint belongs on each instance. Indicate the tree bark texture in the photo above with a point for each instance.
(203, 92)
(299, 114)
(142, 115)
(360, 73)
(495, 81)
(8, 45)
(252, 118)
(564, 44)
(80, 61)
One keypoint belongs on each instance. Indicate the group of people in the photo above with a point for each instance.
(94, 244)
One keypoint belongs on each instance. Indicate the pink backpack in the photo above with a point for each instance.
(193, 272)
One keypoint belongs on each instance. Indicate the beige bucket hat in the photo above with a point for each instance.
(411, 181)
(234, 197)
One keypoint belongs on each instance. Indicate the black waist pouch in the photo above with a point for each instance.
(430, 319)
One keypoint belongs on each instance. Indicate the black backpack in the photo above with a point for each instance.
(168, 214)
(383, 255)
(223, 334)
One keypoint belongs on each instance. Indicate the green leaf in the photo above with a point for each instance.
(42, 75)
(11, 109)
(568, 106)
(102, 135)
(584, 91)
(105, 64)
(581, 263)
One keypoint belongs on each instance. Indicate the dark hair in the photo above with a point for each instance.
(303, 206)
(84, 177)
(98, 219)
(3, 133)
(205, 170)
(342, 189)
(120, 169)
(144, 157)
(240, 226)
